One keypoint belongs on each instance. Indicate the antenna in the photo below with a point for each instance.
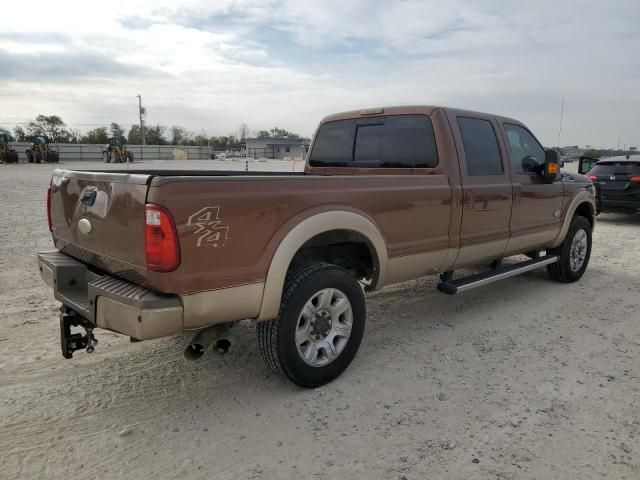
(561, 116)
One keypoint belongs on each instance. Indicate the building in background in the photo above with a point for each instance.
(277, 147)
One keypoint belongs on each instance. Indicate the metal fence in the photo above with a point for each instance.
(70, 152)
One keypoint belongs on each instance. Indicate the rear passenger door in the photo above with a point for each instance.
(486, 185)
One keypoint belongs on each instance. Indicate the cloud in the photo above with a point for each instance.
(67, 66)
(213, 64)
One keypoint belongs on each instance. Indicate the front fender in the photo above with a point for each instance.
(582, 197)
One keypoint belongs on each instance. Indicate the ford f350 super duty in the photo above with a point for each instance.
(387, 195)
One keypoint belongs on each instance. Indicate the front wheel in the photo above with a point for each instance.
(573, 253)
(319, 327)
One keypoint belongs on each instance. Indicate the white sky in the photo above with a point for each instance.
(209, 65)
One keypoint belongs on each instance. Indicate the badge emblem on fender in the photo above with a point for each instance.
(85, 226)
(210, 231)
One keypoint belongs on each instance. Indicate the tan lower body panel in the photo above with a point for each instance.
(224, 305)
(470, 255)
(140, 324)
(531, 241)
(408, 267)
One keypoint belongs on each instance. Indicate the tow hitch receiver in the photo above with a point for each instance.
(70, 342)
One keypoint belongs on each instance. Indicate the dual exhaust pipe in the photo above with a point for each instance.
(216, 335)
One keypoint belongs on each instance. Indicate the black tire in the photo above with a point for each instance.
(276, 338)
(38, 157)
(130, 157)
(106, 157)
(13, 157)
(562, 270)
(29, 156)
(55, 157)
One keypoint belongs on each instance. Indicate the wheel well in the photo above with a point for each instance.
(348, 249)
(584, 210)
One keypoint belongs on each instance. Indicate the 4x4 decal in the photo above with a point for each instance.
(209, 228)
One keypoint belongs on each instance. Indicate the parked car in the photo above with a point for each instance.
(617, 180)
(387, 195)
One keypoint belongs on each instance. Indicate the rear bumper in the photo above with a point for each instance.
(609, 205)
(109, 302)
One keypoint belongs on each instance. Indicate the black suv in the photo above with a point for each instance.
(617, 181)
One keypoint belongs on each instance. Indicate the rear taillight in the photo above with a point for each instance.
(635, 179)
(161, 247)
(49, 208)
(593, 178)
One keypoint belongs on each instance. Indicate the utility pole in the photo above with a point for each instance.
(561, 115)
(141, 112)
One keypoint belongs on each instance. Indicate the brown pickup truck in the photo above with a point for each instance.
(387, 195)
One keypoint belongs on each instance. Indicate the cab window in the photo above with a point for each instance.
(527, 155)
(480, 146)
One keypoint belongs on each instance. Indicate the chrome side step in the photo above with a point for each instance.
(451, 287)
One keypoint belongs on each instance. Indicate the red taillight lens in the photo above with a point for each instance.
(635, 179)
(49, 208)
(161, 247)
(593, 178)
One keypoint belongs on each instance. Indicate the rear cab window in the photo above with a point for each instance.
(392, 141)
(616, 168)
(480, 144)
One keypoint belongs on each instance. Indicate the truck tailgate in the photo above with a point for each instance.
(98, 218)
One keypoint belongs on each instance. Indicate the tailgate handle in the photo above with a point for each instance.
(88, 197)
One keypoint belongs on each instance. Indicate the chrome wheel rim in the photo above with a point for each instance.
(578, 252)
(324, 327)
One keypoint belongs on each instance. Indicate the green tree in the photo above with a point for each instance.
(155, 134)
(262, 133)
(19, 134)
(243, 131)
(7, 134)
(179, 135)
(117, 131)
(134, 137)
(52, 126)
(96, 136)
(592, 152)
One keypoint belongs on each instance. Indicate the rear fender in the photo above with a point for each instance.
(306, 230)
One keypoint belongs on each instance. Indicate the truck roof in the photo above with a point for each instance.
(405, 110)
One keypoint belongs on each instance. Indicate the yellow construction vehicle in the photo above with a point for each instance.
(7, 154)
(40, 150)
(116, 151)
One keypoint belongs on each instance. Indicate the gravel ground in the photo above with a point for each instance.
(521, 379)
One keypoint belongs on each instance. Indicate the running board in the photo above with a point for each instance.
(452, 287)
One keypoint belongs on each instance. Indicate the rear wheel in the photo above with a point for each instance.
(573, 253)
(319, 327)
(29, 156)
(55, 157)
(130, 157)
(13, 157)
(38, 157)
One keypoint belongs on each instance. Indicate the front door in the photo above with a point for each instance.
(536, 217)
(486, 185)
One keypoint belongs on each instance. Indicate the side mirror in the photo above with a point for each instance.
(585, 164)
(551, 166)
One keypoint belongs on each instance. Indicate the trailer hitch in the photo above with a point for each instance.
(70, 342)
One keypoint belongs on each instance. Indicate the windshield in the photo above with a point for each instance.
(616, 168)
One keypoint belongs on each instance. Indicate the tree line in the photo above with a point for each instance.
(57, 131)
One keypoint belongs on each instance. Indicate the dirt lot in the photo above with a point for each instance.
(521, 379)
